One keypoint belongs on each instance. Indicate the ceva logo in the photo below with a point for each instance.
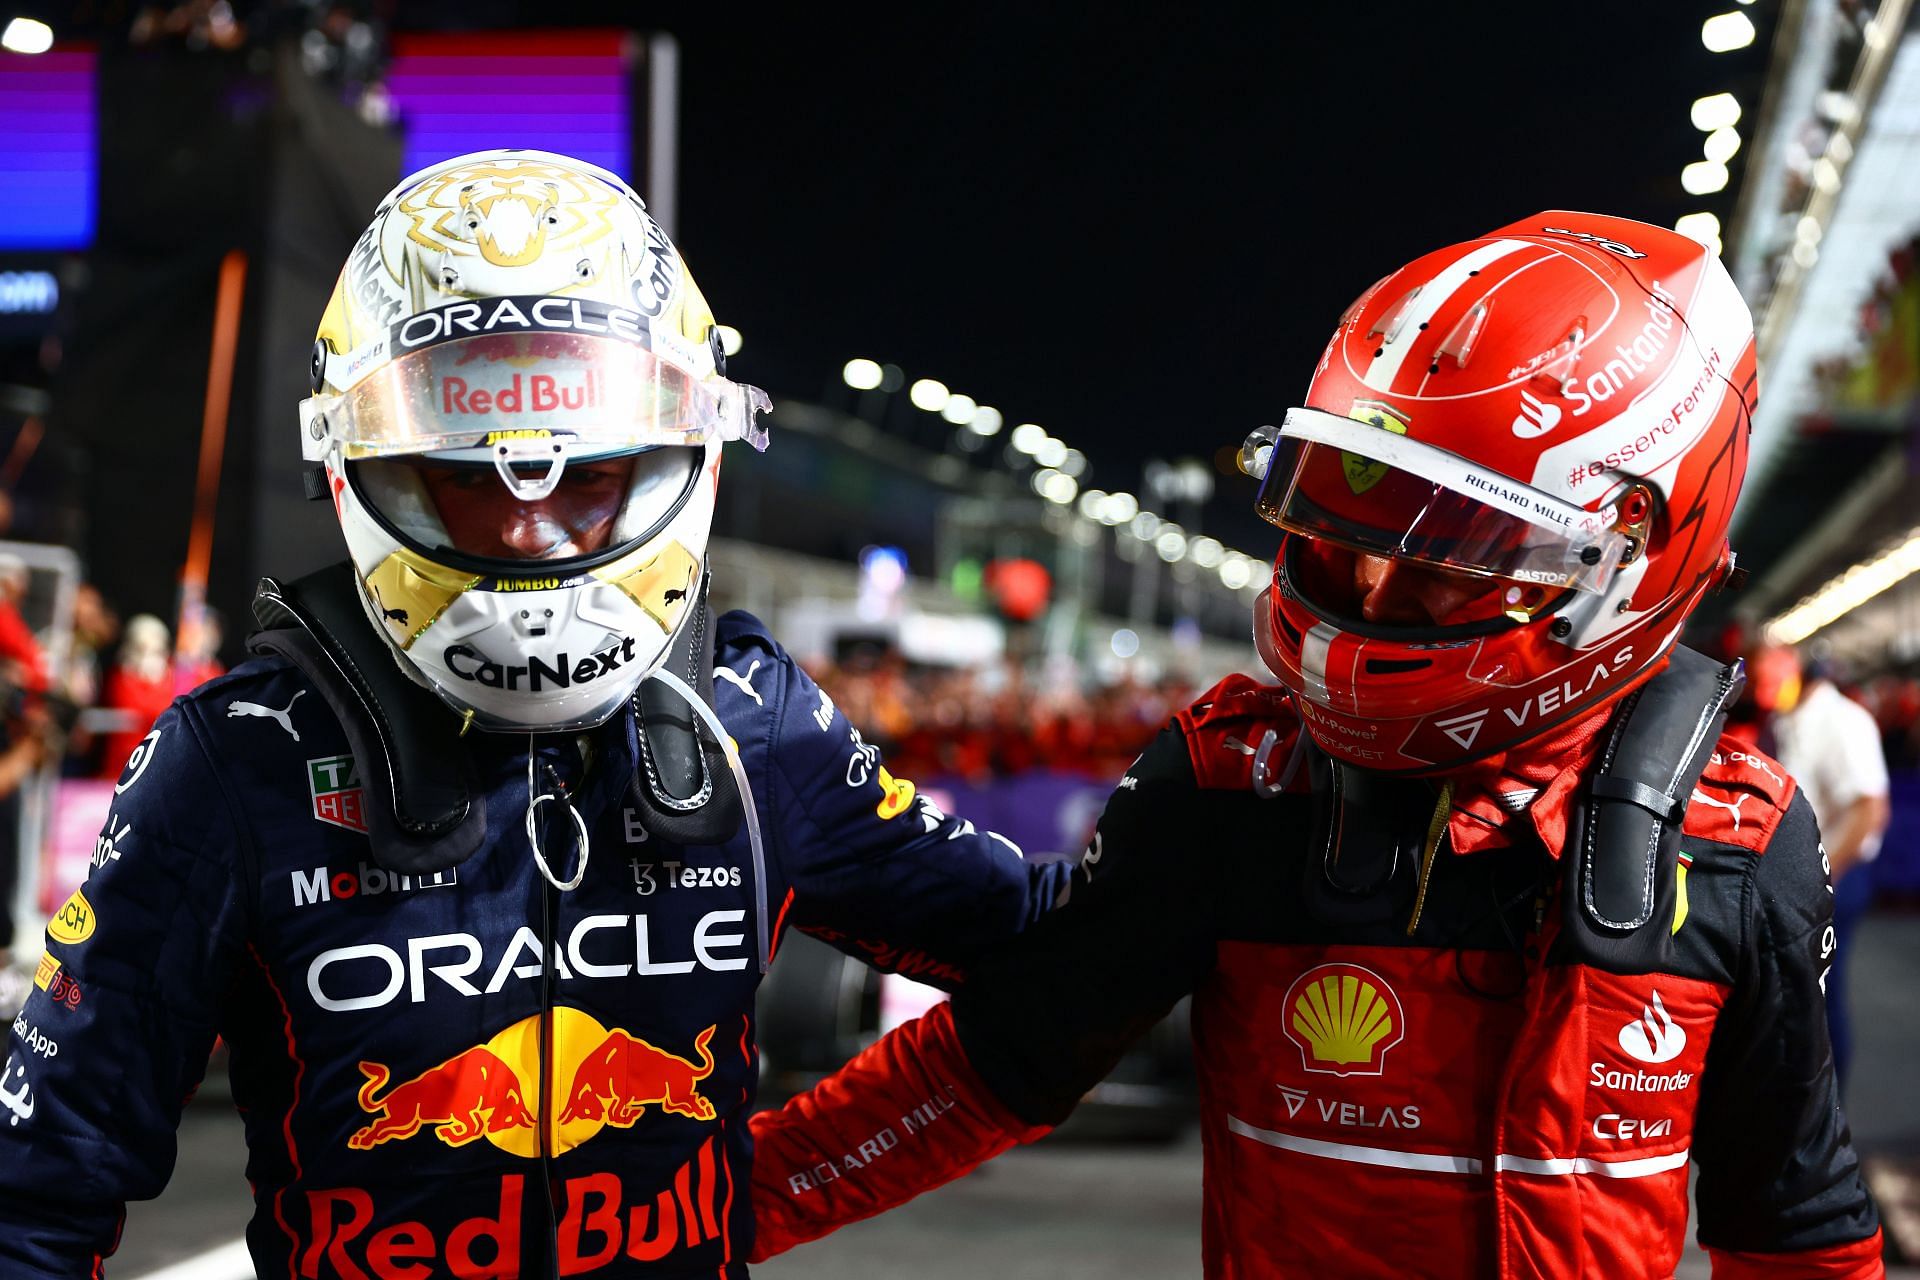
(1654, 1037)
(1536, 417)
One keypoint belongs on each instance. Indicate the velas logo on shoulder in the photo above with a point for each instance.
(1344, 1018)
(338, 798)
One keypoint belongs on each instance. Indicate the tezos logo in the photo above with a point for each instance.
(321, 885)
(1655, 1037)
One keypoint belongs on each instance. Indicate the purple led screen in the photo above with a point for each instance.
(48, 156)
(564, 91)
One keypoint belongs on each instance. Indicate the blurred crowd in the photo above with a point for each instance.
(117, 678)
(975, 724)
(1894, 701)
(85, 715)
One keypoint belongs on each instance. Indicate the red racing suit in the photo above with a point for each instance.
(1424, 1079)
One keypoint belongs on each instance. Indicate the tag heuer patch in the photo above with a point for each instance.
(338, 797)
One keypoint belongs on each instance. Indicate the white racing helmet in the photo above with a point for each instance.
(519, 402)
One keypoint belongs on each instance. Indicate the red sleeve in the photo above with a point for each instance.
(907, 1115)
(18, 645)
(1859, 1260)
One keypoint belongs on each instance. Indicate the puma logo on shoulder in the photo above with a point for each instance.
(283, 716)
(742, 682)
(1733, 808)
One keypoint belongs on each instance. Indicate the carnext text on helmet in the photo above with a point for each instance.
(562, 673)
(661, 279)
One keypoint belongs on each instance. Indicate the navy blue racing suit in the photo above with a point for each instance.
(388, 1032)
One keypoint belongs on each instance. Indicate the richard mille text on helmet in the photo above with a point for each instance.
(476, 867)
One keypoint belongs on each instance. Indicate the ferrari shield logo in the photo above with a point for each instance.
(1363, 472)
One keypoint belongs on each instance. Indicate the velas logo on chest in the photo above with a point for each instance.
(1344, 1018)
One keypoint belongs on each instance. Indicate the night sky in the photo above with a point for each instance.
(1138, 227)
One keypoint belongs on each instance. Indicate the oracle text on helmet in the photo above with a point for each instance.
(371, 975)
(518, 314)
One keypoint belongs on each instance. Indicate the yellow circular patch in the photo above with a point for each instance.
(74, 921)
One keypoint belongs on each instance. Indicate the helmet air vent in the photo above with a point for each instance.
(1459, 343)
(1394, 319)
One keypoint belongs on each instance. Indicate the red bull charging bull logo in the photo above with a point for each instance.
(601, 1078)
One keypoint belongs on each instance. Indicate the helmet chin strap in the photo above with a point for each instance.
(739, 771)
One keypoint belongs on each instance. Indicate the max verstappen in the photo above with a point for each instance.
(1489, 934)
(476, 869)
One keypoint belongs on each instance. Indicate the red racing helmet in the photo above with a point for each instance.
(1555, 415)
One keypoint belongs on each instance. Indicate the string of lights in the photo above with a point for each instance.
(1057, 476)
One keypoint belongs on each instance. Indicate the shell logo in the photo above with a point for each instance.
(1344, 1018)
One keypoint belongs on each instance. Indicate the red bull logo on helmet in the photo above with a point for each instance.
(601, 1077)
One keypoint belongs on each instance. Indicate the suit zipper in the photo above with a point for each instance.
(549, 905)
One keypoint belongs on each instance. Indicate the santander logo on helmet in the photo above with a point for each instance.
(1536, 417)
(1575, 392)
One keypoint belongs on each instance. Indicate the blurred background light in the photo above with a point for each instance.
(861, 374)
(929, 394)
(26, 35)
(1028, 437)
(1725, 32)
(1060, 488)
(1715, 111)
(1703, 178)
(1721, 145)
(958, 409)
